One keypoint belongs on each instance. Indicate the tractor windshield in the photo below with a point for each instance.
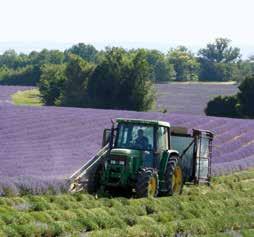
(135, 136)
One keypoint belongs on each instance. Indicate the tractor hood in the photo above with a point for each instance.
(125, 152)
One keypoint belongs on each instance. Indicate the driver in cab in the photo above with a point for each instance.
(142, 141)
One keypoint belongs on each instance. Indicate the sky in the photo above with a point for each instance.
(161, 22)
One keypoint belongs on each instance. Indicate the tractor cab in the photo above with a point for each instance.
(142, 137)
(135, 145)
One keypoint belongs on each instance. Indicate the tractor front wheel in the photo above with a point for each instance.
(173, 177)
(147, 183)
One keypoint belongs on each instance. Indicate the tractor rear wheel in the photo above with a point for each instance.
(173, 177)
(147, 183)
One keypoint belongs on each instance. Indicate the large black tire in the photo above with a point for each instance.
(173, 177)
(147, 183)
(94, 183)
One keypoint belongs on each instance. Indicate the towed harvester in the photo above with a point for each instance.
(147, 157)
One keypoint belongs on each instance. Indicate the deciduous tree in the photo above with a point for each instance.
(185, 64)
(51, 83)
(220, 51)
(122, 81)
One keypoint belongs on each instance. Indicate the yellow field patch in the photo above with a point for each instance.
(27, 97)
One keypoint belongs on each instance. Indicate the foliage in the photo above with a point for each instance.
(51, 82)
(26, 69)
(246, 97)
(161, 69)
(26, 76)
(120, 81)
(123, 82)
(222, 107)
(246, 69)
(74, 89)
(87, 52)
(4, 71)
(185, 64)
(220, 51)
(65, 84)
(240, 105)
(164, 71)
(218, 61)
(11, 59)
(213, 71)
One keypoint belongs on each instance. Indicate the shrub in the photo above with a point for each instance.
(223, 107)
(240, 105)
(246, 97)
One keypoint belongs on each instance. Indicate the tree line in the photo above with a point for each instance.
(116, 78)
(120, 80)
(218, 61)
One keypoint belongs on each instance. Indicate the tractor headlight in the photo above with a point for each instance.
(112, 162)
(117, 162)
(121, 162)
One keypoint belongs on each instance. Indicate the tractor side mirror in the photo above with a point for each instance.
(106, 137)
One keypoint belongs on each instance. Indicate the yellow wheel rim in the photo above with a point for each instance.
(177, 180)
(152, 187)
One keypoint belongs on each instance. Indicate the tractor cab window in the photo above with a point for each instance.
(162, 142)
(135, 136)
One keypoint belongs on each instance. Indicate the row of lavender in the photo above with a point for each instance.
(190, 98)
(40, 147)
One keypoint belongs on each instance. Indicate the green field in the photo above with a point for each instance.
(27, 97)
(224, 209)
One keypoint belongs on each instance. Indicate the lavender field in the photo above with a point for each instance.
(190, 98)
(42, 146)
(7, 91)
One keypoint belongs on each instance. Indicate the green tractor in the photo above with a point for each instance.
(148, 158)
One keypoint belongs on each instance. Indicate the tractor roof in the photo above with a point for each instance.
(143, 121)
